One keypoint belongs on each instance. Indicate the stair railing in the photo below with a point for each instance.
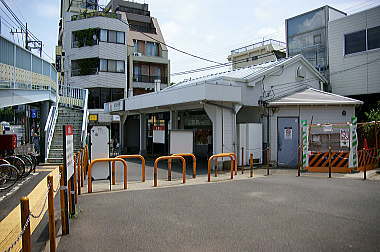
(50, 127)
(83, 136)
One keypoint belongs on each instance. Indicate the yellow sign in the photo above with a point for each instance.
(93, 117)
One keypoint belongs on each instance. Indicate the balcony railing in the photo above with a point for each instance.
(95, 14)
(259, 44)
(87, 71)
(150, 79)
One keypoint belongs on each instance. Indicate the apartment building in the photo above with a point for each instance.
(147, 58)
(306, 34)
(257, 53)
(93, 50)
(354, 54)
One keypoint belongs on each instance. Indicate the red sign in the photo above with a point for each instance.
(69, 130)
(158, 127)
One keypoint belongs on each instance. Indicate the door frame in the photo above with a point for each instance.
(298, 141)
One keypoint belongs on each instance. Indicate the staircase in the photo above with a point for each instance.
(66, 115)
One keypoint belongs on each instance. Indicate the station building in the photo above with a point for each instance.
(256, 108)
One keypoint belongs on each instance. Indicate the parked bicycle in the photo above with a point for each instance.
(8, 175)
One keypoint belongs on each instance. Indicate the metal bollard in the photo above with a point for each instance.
(63, 200)
(169, 170)
(216, 168)
(26, 241)
(329, 161)
(51, 213)
(251, 164)
(365, 172)
(242, 160)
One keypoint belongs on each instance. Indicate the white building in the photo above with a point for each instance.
(214, 108)
(354, 54)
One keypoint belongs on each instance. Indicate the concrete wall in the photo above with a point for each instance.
(319, 114)
(281, 82)
(364, 79)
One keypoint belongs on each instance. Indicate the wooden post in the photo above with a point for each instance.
(251, 164)
(51, 213)
(329, 161)
(26, 241)
(242, 160)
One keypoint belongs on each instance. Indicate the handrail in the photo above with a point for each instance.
(50, 127)
(99, 160)
(169, 158)
(194, 161)
(130, 156)
(83, 136)
(230, 155)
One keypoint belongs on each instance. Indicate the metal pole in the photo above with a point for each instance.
(329, 161)
(242, 160)
(26, 242)
(63, 201)
(51, 213)
(169, 170)
(216, 167)
(251, 164)
(365, 172)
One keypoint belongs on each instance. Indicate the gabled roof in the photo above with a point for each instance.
(250, 73)
(311, 96)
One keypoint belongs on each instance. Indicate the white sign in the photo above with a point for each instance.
(344, 138)
(181, 141)
(106, 118)
(159, 134)
(288, 133)
(69, 146)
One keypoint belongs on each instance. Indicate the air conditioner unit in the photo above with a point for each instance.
(139, 54)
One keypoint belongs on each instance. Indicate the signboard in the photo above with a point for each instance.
(106, 118)
(181, 141)
(159, 134)
(288, 133)
(344, 138)
(69, 151)
(93, 117)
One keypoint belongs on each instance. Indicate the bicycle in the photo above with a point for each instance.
(18, 163)
(8, 175)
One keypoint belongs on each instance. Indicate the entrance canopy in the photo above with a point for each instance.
(193, 94)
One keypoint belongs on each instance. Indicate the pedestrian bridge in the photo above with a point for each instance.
(24, 77)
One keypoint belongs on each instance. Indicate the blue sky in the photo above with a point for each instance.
(207, 28)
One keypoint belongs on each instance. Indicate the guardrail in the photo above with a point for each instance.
(50, 127)
(72, 96)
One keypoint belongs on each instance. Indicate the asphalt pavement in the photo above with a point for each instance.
(273, 213)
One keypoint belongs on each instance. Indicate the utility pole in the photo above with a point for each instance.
(26, 36)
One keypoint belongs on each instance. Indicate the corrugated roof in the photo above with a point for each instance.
(311, 96)
(241, 73)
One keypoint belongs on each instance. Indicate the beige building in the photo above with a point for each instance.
(147, 58)
(258, 53)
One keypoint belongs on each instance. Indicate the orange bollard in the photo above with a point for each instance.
(142, 163)
(169, 158)
(230, 155)
(106, 160)
(194, 161)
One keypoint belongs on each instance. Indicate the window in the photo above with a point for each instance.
(112, 36)
(355, 42)
(120, 66)
(98, 96)
(103, 65)
(373, 38)
(112, 66)
(88, 37)
(151, 49)
(103, 35)
(87, 66)
(120, 37)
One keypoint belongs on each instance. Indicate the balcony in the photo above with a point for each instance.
(150, 79)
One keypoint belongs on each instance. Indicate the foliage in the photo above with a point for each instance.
(373, 114)
(86, 37)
